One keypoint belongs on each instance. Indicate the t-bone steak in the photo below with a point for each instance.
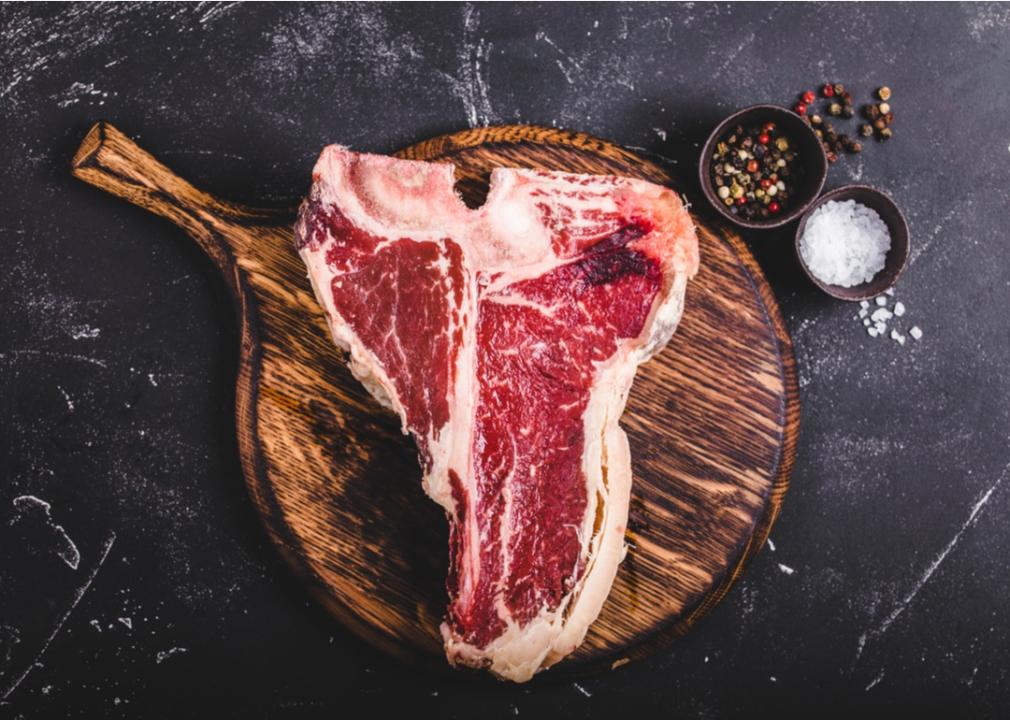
(506, 338)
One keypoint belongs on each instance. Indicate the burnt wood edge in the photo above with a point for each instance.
(790, 435)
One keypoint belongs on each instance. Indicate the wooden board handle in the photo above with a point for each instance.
(110, 160)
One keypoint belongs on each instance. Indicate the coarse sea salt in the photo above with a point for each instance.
(875, 322)
(845, 243)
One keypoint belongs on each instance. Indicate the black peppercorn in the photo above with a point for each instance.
(847, 111)
(872, 112)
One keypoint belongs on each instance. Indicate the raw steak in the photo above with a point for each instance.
(506, 339)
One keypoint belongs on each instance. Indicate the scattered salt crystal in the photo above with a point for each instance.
(876, 322)
(844, 243)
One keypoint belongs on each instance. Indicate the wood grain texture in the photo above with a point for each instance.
(712, 420)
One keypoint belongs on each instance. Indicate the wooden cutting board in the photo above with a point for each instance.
(712, 420)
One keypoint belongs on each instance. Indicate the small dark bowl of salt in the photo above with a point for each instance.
(762, 167)
(853, 243)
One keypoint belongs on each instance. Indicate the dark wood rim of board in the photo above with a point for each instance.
(445, 146)
(105, 159)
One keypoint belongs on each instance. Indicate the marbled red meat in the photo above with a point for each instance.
(506, 338)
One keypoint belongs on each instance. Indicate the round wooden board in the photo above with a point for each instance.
(712, 420)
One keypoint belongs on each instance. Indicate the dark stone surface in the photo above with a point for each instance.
(117, 352)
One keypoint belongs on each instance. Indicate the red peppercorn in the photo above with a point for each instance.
(808, 97)
(752, 166)
(763, 138)
(773, 207)
(741, 201)
(769, 127)
(765, 183)
(800, 108)
(828, 90)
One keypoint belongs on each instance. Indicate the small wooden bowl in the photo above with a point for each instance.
(897, 256)
(809, 152)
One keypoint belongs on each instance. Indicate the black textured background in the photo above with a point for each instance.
(118, 349)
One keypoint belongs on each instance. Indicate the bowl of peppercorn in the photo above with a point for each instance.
(762, 167)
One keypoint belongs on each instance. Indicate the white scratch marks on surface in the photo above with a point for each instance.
(31, 44)
(931, 569)
(860, 646)
(622, 34)
(771, 545)
(27, 505)
(786, 569)
(81, 332)
(164, 655)
(66, 396)
(150, 379)
(212, 153)
(732, 55)
(855, 171)
(17, 354)
(920, 248)
(78, 594)
(660, 133)
(582, 690)
(126, 622)
(986, 17)
(875, 681)
(470, 84)
(215, 11)
(81, 91)
(570, 67)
